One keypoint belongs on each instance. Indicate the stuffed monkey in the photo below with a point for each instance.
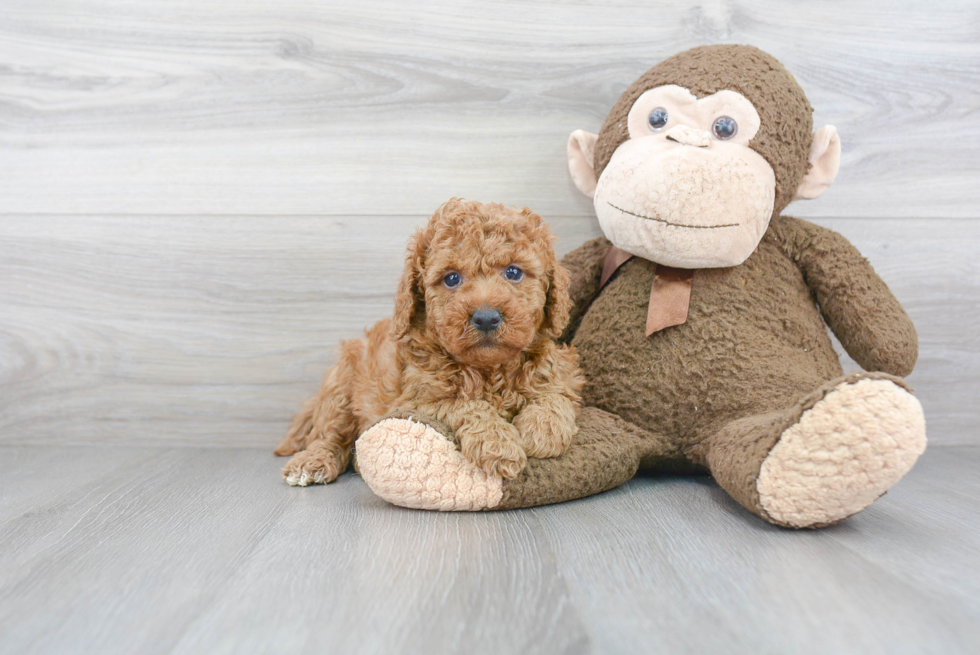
(699, 318)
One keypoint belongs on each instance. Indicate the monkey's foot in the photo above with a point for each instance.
(845, 452)
(411, 464)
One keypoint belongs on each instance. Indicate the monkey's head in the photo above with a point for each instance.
(700, 153)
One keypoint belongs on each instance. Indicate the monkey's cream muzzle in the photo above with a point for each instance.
(686, 199)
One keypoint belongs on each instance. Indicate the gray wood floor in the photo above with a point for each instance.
(163, 550)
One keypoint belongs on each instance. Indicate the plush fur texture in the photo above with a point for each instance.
(716, 394)
(418, 467)
(506, 394)
(753, 322)
(749, 388)
(842, 454)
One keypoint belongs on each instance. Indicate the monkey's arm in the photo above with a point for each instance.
(584, 264)
(856, 303)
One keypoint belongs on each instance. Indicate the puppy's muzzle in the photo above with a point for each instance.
(486, 319)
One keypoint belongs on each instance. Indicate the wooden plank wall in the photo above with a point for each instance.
(197, 200)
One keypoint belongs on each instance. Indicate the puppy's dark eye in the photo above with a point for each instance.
(724, 128)
(452, 279)
(658, 118)
(514, 274)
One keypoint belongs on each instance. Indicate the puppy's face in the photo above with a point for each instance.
(488, 280)
(484, 299)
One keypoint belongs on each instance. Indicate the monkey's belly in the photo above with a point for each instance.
(753, 342)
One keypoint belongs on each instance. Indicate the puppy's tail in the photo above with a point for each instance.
(298, 436)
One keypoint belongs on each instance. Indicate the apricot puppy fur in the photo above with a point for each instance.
(471, 345)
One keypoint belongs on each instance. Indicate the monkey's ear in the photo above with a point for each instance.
(581, 150)
(410, 297)
(824, 161)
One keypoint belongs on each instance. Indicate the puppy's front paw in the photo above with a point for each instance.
(493, 448)
(545, 431)
(312, 466)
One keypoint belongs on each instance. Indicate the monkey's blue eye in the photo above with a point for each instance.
(514, 274)
(724, 128)
(658, 118)
(452, 279)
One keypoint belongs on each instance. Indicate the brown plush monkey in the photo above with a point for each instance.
(699, 320)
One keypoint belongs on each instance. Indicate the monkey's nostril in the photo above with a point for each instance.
(486, 320)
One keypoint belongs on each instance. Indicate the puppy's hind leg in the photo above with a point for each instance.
(299, 430)
(325, 428)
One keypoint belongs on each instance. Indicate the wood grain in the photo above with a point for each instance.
(931, 267)
(203, 331)
(336, 108)
(751, 587)
(145, 547)
(199, 200)
(450, 583)
(207, 551)
(27, 483)
(209, 331)
(184, 298)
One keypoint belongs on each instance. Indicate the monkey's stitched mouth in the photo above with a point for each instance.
(660, 220)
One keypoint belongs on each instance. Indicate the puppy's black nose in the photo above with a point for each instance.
(486, 319)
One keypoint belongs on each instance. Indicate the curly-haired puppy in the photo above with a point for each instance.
(471, 345)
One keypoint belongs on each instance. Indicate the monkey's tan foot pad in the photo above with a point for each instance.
(844, 453)
(413, 465)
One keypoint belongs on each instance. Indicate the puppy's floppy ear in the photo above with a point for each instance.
(410, 297)
(558, 303)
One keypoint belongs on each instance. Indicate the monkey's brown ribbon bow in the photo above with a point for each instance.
(670, 293)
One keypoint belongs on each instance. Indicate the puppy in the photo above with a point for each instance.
(471, 346)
